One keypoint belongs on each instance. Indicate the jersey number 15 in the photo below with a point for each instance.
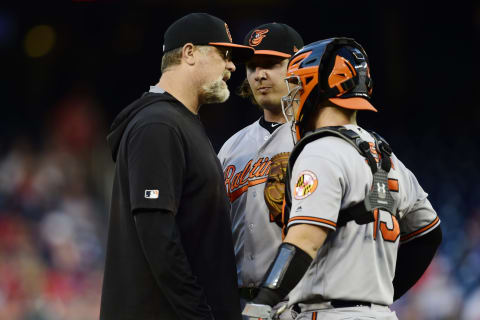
(387, 224)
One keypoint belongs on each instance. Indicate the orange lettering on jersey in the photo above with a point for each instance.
(390, 235)
(375, 224)
(236, 180)
(254, 168)
(393, 185)
(237, 183)
(227, 175)
(245, 172)
(264, 169)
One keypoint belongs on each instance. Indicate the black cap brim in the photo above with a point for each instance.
(240, 53)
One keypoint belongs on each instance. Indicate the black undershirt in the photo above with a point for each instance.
(413, 259)
(269, 126)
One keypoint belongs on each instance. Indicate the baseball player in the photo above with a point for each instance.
(359, 229)
(246, 157)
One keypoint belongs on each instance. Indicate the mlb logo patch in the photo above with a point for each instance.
(151, 194)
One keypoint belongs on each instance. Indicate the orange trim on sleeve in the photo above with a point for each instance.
(314, 316)
(331, 223)
(413, 234)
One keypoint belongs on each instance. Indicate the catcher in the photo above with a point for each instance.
(359, 229)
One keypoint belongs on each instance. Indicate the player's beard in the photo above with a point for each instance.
(215, 91)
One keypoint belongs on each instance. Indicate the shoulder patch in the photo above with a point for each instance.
(306, 184)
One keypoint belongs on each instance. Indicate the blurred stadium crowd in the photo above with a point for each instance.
(52, 220)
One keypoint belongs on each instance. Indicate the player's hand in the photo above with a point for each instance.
(258, 311)
(262, 311)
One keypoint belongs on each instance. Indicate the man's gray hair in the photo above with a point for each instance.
(174, 57)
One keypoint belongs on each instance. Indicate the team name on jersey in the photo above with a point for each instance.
(252, 174)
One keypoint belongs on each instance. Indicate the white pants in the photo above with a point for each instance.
(350, 313)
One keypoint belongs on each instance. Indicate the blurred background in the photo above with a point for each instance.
(68, 69)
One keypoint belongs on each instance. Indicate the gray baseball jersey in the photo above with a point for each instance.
(357, 262)
(245, 159)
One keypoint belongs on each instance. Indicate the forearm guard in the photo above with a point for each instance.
(283, 275)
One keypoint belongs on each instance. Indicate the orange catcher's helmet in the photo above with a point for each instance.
(335, 69)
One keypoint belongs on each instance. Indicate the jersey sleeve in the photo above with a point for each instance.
(418, 216)
(317, 189)
(156, 167)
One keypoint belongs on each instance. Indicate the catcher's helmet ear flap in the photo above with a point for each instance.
(336, 69)
(347, 71)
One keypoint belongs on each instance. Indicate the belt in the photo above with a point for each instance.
(248, 293)
(307, 307)
(349, 303)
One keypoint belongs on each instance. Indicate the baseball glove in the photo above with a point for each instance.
(275, 187)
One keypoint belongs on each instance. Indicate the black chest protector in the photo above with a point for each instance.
(378, 197)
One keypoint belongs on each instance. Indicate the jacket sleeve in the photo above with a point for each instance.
(156, 168)
(161, 244)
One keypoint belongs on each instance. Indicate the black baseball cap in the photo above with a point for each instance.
(203, 29)
(275, 39)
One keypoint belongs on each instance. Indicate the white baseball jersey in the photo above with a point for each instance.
(245, 159)
(356, 262)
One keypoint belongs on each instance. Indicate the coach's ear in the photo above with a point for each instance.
(188, 53)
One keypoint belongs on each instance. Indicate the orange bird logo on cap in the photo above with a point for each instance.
(257, 37)
(228, 33)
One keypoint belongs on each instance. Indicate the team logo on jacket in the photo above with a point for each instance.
(257, 37)
(151, 194)
(306, 184)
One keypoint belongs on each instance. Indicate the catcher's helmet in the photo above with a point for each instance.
(336, 69)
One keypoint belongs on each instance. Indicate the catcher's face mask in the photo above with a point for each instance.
(336, 69)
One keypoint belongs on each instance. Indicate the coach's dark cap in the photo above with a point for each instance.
(203, 29)
(275, 39)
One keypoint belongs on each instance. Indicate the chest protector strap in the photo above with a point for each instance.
(378, 197)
